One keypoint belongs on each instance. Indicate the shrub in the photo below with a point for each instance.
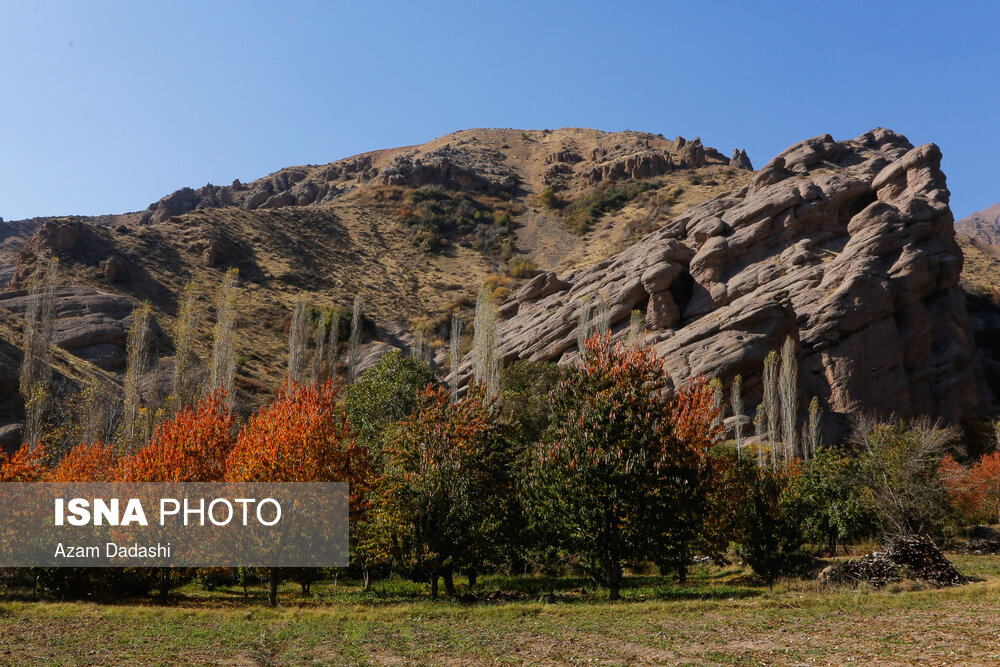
(584, 211)
(521, 266)
(549, 199)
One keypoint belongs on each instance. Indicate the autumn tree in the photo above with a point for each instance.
(193, 446)
(86, 462)
(27, 464)
(608, 479)
(681, 508)
(974, 491)
(447, 496)
(302, 436)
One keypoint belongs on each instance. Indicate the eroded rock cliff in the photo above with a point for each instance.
(847, 246)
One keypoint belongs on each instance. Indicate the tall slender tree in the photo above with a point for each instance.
(789, 390)
(185, 388)
(224, 343)
(736, 403)
(355, 339)
(137, 362)
(333, 341)
(772, 403)
(454, 349)
(36, 368)
(485, 343)
(298, 341)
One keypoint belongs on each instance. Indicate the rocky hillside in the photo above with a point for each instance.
(848, 246)
(414, 230)
(983, 227)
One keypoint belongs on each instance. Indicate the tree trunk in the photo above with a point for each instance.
(366, 578)
(473, 577)
(614, 573)
(164, 584)
(682, 564)
(449, 581)
(434, 585)
(272, 594)
(833, 545)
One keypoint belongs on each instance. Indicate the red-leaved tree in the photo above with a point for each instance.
(191, 447)
(974, 491)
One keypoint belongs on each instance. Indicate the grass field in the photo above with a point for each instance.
(720, 617)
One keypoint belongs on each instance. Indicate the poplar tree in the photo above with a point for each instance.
(224, 342)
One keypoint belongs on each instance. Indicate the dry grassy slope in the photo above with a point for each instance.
(981, 270)
(332, 250)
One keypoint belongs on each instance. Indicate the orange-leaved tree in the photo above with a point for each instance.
(27, 464)
(86, 462)
(974, 491)
(191, 447)
(683, 508)
(301, 437)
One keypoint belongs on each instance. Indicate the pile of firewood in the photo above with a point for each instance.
(982, 545)
(873, 569)
(905, 557)
(923, 560)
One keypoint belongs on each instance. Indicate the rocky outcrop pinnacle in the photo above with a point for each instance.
(847, 246)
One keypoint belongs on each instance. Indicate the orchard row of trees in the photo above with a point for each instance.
(599, 466)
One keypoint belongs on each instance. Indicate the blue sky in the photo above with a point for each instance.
(107, 106)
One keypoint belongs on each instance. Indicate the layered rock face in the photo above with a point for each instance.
(847, 246)
(89, 323)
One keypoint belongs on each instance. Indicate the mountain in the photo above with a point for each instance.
(983, 227)
(847, 246)
(413, 230)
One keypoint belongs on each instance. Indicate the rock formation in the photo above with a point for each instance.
(740, 160)
(91, 324)
(847, 246)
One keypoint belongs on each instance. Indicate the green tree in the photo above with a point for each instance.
(446, 499)
(526, 389)
(828, 501)
(611, 472)
(385, 394)
(767, 535)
